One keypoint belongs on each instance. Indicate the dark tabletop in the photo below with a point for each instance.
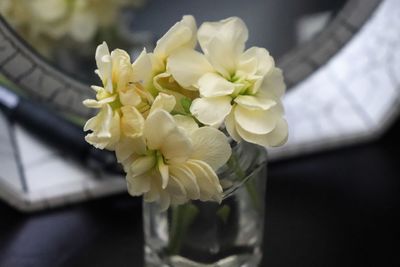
(338, 208)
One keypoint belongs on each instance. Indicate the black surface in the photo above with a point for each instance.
(333, 209)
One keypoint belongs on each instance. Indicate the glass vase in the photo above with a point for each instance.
(208, 233)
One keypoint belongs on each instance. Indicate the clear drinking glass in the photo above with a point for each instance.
(211, 234)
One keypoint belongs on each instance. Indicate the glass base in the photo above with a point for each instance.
(152, 259)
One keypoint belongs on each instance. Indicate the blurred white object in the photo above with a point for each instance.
(35, 176)
(352, 98)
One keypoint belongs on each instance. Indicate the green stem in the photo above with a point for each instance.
(182, 218)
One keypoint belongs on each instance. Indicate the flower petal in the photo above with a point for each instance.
(211, 146)
(279, 135)
(254, 102)
(212, 85)
(122, 73)
(187, 66)
(93, 103)
(230, 125)
(105, 127)
(187, 179)
(255, 61)
(274, 83)
(186, 122)
(142, 165)
(104, 66)
(129, 97)
(176, 189)
(142, 68)
(164, 201)
(176, 147)
(164, 171)
(155, 192)
(207, 180)
(128, 146)
(223, 42)
(157, 127)
(162, 133)
(276, 137)
(255, 121)
(182, 34)
(132, 122)
(137, 185)
(163, 101)
(211, 111)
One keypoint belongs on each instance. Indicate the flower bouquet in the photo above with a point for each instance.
(190, 129)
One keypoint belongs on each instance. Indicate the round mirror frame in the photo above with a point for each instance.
(45, 83)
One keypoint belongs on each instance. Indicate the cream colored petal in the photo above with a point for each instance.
(142, 165)
(176, 146)
(230, 125)
(187, 179)
(157, 78)
(212, 85)
(176, 189)
(157, 64)
(96, 88)
(129, 97)
(128, 146)
(223, 42)
(277, 137)
(207, 180)
(164, 201)
(211, 111)
(255, 121)
(164, 102)
(132, 122)
(255, 61)
(105, 129)
(122, 72)
(254, 102)
(187, 66)
(182, 34)
(186, 122)
(274, 83)
(104, 66)
(164, 172)
(142, 68)
(137, 185)
(157, 127)
(92, 103)
(211, 146)
(155, 192)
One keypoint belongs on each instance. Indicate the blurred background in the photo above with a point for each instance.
(333, 189)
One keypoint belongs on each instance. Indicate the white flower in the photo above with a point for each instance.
(44, 23)
(122, 99)
(238, 87)
(176, 161)
(183, 35)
